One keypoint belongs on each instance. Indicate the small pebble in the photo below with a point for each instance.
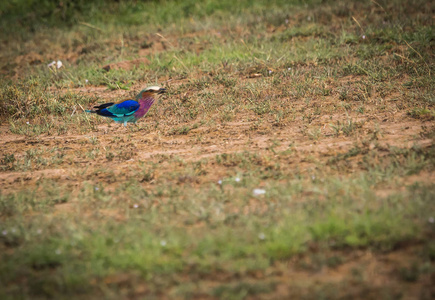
(258, 192)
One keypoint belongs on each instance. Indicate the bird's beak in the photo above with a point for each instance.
(161, 91)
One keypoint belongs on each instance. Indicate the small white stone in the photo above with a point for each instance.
(163, 243)
(258, 192)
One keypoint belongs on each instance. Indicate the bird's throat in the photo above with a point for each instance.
(144, 105)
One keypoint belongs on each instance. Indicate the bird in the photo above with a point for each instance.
(129, 110)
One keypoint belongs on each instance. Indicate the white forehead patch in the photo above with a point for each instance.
(153, 88)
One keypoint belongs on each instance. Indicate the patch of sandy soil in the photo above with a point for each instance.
(232, 137)
(360, 275)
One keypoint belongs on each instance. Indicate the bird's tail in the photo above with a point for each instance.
(90, 111)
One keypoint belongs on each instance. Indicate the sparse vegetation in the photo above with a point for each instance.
(292, 156)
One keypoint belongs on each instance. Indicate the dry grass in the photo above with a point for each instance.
(327, 108)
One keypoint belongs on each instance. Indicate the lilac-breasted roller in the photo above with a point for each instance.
(129, 110)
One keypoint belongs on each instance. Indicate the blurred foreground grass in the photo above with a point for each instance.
(348, 73)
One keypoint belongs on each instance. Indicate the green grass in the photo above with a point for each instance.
(147, 240)
(315, 102)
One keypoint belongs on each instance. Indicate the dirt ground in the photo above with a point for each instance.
(396, 129)
(376, 128)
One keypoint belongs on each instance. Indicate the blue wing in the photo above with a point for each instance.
(123, 109)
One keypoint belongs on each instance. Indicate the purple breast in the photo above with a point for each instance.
(144, 106)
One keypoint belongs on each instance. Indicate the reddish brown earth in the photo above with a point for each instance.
(267, 140)
(231, 137)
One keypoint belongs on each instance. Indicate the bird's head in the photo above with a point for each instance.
(151, 91)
